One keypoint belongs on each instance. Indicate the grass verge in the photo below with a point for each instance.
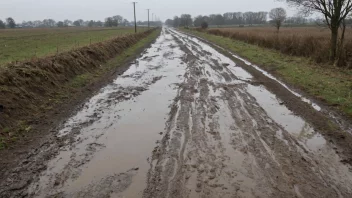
(328, 84)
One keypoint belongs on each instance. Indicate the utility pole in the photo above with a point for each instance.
(135, 21)
(148, 18)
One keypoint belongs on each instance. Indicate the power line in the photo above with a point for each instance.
(135, 21)
(148, 18)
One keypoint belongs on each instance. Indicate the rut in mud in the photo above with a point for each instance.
(183, 121)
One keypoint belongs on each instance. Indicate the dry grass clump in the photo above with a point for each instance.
(311, 42)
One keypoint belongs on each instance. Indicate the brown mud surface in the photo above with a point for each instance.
(187, 121)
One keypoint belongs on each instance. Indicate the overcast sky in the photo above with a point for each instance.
(100, 9)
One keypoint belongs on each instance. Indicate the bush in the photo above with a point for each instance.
(204, 25)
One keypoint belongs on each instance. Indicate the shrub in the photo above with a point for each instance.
(204, 25)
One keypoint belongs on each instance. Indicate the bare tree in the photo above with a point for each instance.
(109, 22)
(169, 22)
(198, 21)
(219, 20)
(91, 23)
(335, 13)
(349, 21)
(117, 20)
(186, 20)
(177, 21)
(60, 24)
(52, 22)
(248, 17)
(37, 23)
(204, 25)
(278, 16)
(298, 19)
(11, 22)
(125, 22)
(67, 23)
(99, 24)
(2, 25)
(78, 22)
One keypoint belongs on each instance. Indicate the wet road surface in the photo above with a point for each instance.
(186, 121)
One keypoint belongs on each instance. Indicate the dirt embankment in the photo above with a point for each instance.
(29, 89)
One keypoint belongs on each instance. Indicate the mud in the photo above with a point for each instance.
(185, 121)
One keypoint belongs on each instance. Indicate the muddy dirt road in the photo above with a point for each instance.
(183, 121)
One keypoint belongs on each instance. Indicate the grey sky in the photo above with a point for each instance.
(99, 9)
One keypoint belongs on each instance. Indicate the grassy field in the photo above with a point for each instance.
(310, 42)
(329, 84)
(24, 44)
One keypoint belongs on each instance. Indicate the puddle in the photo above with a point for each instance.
(112, 137)
(293, 124)
(316, 142)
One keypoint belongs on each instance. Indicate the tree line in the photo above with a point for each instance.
(113, 21)
(9, 23)
(229, 18)
(244, 19)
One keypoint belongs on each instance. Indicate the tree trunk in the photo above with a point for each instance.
(333, 42)
(278, 24)
(340, 46)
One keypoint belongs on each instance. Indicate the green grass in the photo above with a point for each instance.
(24, 44)
(329, 84)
